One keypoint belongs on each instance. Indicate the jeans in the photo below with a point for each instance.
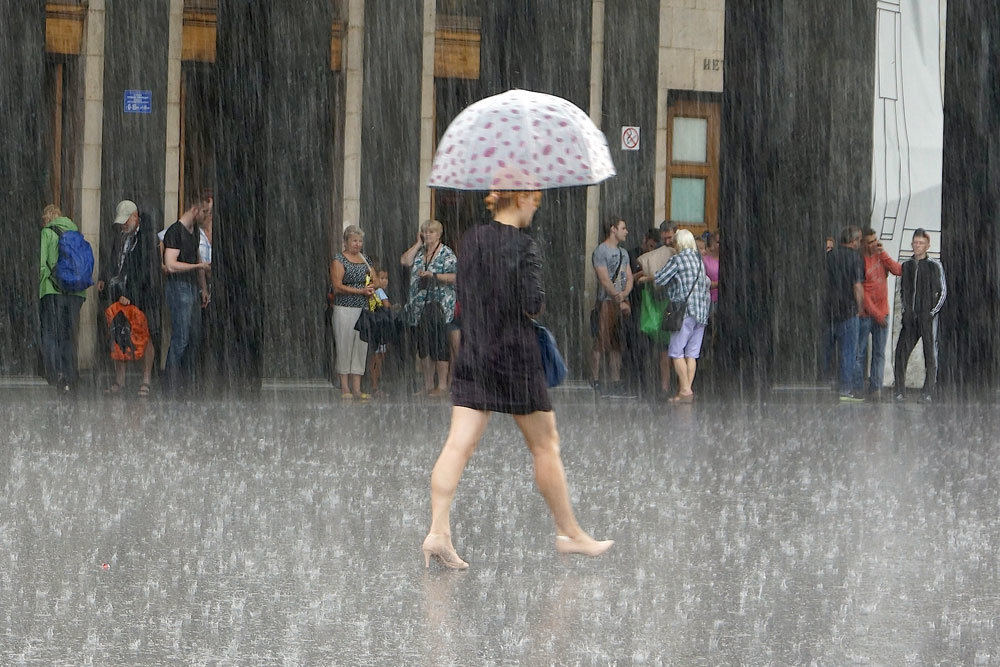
(59, 316)
(845, 334)
(185, 329)
(869, 326)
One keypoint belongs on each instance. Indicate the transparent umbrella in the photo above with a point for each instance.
(521, 140)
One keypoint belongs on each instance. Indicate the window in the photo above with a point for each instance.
(692, 192)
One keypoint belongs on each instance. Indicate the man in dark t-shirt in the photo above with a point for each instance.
(845, 276)
(186, 289)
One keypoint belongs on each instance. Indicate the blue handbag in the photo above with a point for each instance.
(552, 361)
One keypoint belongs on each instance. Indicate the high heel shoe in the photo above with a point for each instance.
(568, 545)
(439, 547)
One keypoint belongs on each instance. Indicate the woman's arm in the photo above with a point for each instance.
(532, 290)
(411, 253)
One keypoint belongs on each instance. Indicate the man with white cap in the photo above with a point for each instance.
(130, 279)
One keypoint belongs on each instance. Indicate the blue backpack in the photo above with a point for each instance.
(75, 267)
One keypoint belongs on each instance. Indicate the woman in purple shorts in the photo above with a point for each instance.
(684, 273)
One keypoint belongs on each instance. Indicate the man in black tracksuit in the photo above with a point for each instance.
(924, 292)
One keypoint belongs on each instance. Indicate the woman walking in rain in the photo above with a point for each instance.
(499, 369)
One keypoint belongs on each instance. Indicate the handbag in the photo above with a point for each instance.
(651, 315)
(552, 361)
(673, 315)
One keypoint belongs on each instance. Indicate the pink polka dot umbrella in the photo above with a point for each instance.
(521, 140)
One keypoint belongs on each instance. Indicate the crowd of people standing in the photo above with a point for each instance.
(146, 270)
(141, 270)
(857, 313)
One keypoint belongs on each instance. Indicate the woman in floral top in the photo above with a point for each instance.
(348, 274)
(433, 266)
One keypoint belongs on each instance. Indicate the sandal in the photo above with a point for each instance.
(347, 395)
(114, 389)
(362, 396)
(143, 390)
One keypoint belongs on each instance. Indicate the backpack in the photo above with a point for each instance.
(129, 331)
(73, 270)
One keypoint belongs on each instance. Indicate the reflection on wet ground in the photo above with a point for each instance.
(287, 530)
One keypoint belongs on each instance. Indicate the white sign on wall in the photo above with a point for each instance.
(630, 138)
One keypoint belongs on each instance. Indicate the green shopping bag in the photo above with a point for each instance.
(651, 316)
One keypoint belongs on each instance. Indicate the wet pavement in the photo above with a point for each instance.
(286, 530)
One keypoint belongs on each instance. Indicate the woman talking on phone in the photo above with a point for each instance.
(430, 309)
(499, 369)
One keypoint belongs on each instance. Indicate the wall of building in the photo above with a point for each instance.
(23, 183)
(797, 148)
(356, 138)
(970, 212)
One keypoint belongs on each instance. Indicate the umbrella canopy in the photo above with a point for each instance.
(521, 140)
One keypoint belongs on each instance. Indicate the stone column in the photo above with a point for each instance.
(426, 112)
(353, 94)
(596, 111)
(22, 188)
(273, 203)
(87, 174)
(391, 127)
(969, 359)
(797, 144)
(631, 31)
(133, 153)
(548, 49)
(173, 139)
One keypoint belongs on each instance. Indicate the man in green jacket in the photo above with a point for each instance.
(59, 312)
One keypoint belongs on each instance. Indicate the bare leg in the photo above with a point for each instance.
(680, 365)
(147, 364)
(454, 341)
(542, 438)
(692, 366)
(664, 371)
(356, 385)
(427, 366)
(595, 364)
(615, 365)
(442, 375)
(344, 388)
(467, 428)
(375, 369)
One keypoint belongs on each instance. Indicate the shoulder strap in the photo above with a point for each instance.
(617, 268)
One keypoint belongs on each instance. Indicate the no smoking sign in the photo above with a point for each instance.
(630, 138)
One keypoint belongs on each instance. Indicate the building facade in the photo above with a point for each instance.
(308, 115)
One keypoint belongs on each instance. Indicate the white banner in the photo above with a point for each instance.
(908, 134)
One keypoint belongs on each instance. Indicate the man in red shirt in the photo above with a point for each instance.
(874, 311)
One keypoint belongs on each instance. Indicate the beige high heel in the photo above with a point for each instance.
(568, 545)
(439, 547)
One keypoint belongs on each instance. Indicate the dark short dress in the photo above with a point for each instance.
(499, 366)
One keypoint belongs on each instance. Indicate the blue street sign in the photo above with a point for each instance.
(138, 101)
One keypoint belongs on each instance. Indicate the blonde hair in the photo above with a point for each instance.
(497, 200)
(50, 213)
(431, 226)
(352, 230)
(684, 240)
